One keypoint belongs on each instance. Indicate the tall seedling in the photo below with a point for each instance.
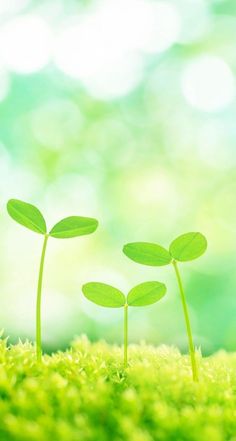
(30, 217)
(186, 247)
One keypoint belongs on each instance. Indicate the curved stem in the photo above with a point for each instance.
(187, 322)
(125, 335)
(38, 303)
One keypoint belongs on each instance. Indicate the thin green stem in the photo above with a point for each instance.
(187, 322)
(125, 335)
(38, 304)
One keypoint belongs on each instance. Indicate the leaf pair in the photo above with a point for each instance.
(143, 294)
(186, 247)
(30, 217)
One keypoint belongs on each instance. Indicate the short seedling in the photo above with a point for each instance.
(143, 294)
(186, 247)
(30, 217)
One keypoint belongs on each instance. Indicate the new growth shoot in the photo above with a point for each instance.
(30, 217)
(143, 294)
(186, 247)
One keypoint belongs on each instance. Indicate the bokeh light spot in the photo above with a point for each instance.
(208, 83)
(103, 53)
(25, 44)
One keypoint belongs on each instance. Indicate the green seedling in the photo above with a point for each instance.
(30, 217)
(186, 247)
(143, 294)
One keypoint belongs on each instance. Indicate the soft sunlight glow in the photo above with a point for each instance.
(25, 44)
(152, 187)
(208, 83)
(13, 6)
(104, 54)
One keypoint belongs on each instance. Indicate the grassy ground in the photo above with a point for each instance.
(84, 394)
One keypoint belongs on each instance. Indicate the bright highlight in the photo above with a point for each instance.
(25, 44)
(105, 48)
(208, 83)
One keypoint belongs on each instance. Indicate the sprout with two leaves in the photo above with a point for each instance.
(143, 294)
(30, 217)
(186, 247)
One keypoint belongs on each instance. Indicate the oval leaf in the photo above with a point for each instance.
(74, 226)
(103, 294)
(188, 246)
(27, 215)
(146, 293)
(147, 253)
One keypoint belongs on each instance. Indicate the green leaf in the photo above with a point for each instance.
(27, 215)
(74, 226)
(188, 246)
(147, 253)
(146, 293)
(104, 295)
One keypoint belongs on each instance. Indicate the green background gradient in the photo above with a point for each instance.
(123, 111)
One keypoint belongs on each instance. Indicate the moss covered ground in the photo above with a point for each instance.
(84, 394)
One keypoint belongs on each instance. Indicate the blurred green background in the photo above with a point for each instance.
(123, 110)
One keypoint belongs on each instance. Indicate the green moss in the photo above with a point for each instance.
(84, 394)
